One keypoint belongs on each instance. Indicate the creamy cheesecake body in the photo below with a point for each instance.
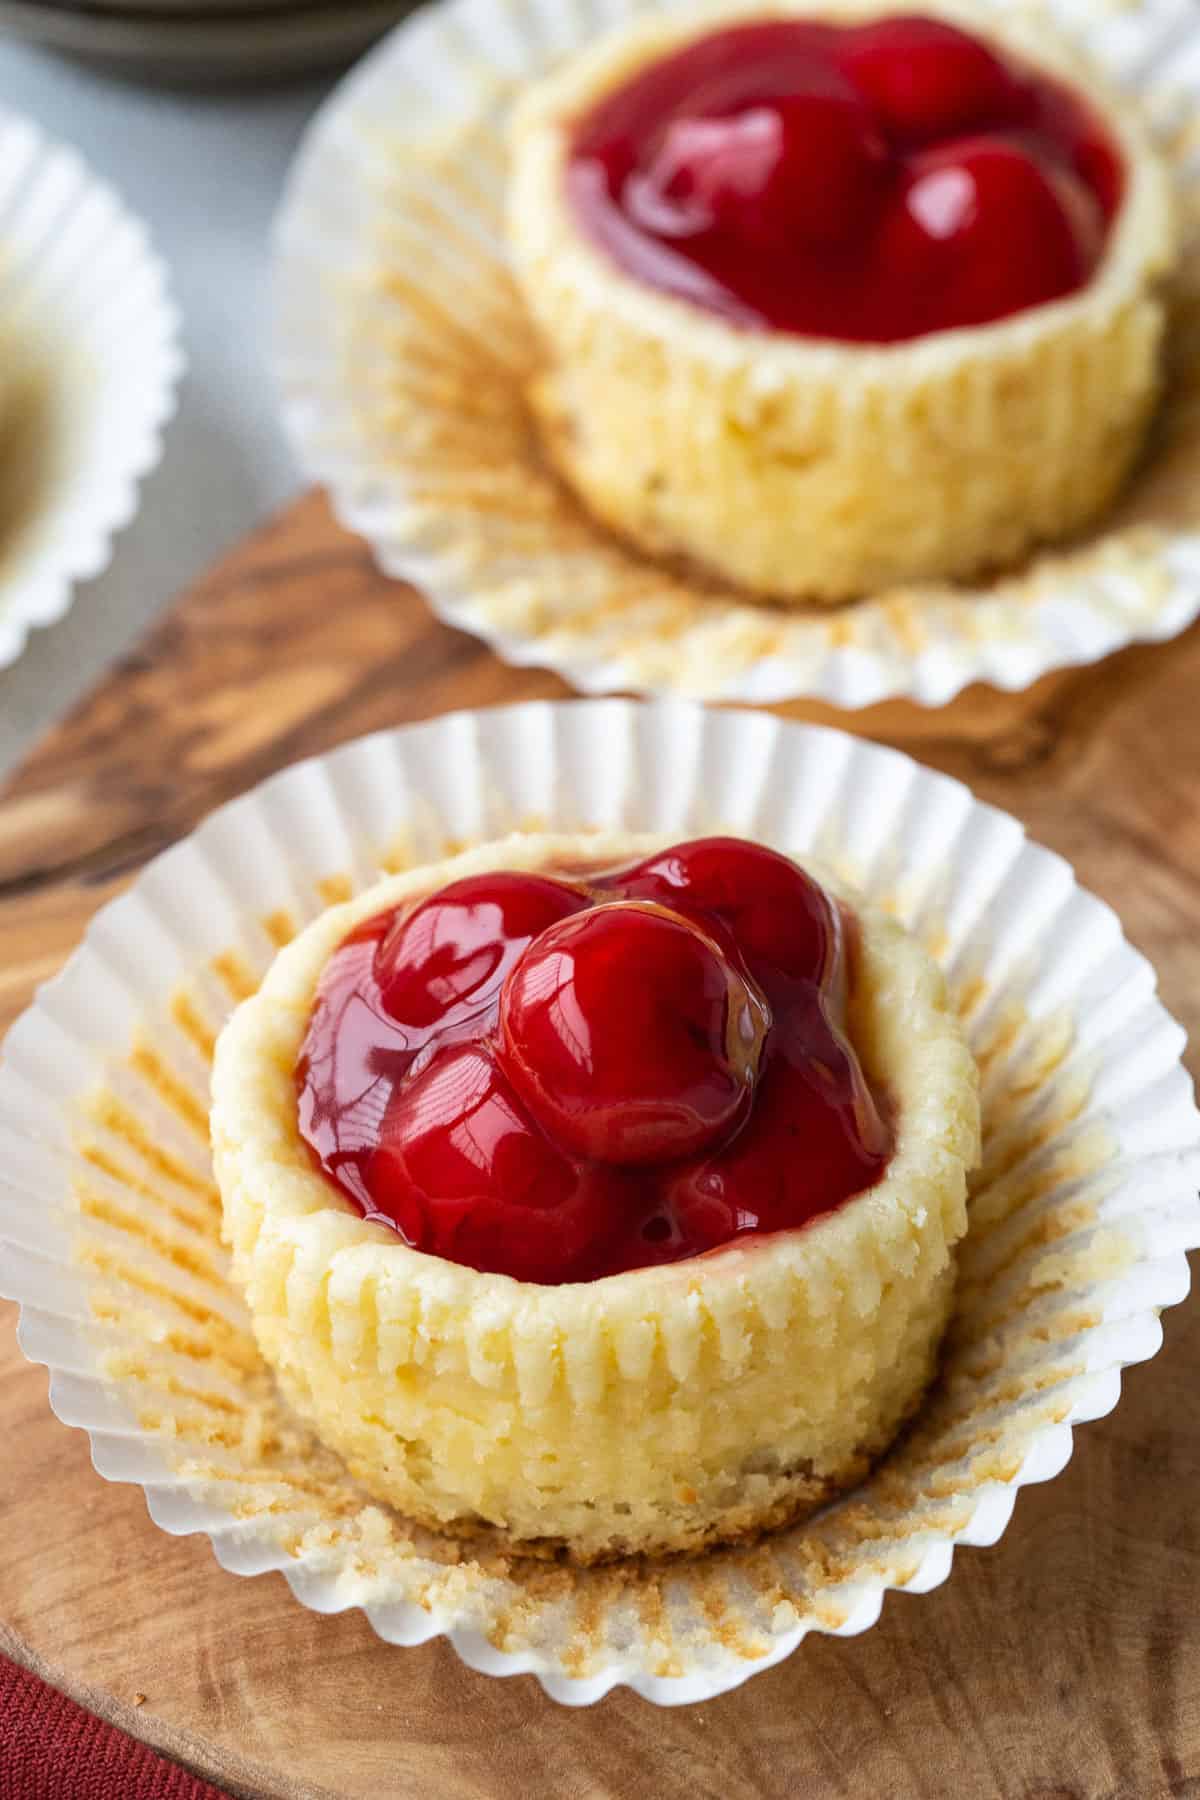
(657, 1409)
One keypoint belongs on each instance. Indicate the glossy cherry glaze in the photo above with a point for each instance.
(559, 1078)
(632, 1035)
(866, 183)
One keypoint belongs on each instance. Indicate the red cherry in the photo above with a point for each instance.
(630, 1036)
(984, 229)
(925, 79)
(446, 959)
(462, 1172)
(802, 168)
(815, 1137)
(777, 915)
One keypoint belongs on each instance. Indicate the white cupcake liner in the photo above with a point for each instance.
(89, 365)
(403, 353)
(109, 1222)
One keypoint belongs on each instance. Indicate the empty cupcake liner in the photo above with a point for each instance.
(91, 361)
(109, 1219)
(404, 353)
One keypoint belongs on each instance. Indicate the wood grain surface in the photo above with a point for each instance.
(1062, 1665)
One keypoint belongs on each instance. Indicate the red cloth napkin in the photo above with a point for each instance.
(50, 1749)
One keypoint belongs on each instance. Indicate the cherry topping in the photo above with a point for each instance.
(866, 183)
(630, 1036)
(560, 1078)
(983, 223)
(751, 1186)
(781, 921)
(462, 1172)
(925, 79)
(446, 959)
(804, 168)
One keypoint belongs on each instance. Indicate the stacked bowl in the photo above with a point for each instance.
(205, 40)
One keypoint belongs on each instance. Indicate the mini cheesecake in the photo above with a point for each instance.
(833, 299)
(597, 1194)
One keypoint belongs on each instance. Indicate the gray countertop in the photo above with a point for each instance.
(204, 171)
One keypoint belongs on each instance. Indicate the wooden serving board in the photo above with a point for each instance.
(1062, 1665)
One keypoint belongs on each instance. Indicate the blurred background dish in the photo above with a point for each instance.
(391, 261)
(206, 40)
(92, 360)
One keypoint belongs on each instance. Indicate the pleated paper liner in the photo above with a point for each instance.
(405, 354)
(109, 1218)
(91, 360)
